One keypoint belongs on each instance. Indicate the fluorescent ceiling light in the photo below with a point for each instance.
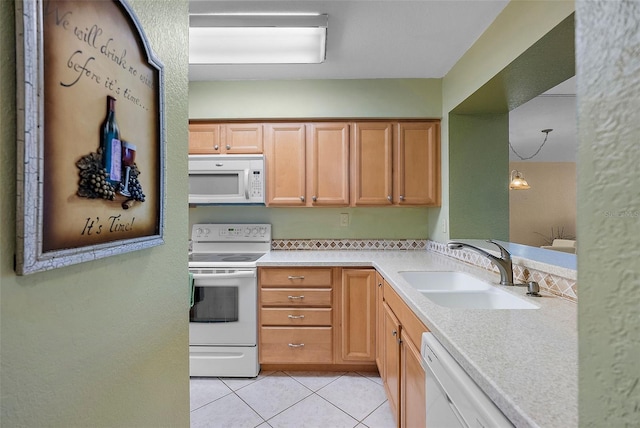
(257, 39)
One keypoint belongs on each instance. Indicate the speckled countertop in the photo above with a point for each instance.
(524, 360)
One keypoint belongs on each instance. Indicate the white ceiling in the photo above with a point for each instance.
(405, 39)
(555, 109)
(368, 38)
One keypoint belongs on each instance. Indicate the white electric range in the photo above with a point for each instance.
(223, 331)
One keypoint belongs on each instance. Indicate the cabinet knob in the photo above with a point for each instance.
(394, 332)
(401, 198)
(228, 146)
(379, 284)
(302, 198)
(389, 198)
(314, 198)
(216, 147)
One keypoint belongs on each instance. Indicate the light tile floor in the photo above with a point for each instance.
(291, 399)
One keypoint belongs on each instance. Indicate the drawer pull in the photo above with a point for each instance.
(295, 297)
(296, 345)
(296, 277)
(296, 317)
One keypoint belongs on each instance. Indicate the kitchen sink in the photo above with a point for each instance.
(444, 281)
(460, 290)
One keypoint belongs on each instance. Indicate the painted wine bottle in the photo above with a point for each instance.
(111, 145)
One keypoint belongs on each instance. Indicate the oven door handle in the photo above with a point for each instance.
(249, 274)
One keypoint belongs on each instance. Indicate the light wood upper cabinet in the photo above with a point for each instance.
(242, 138)
(371, 163)
(357, 305)
(285, 155)
(220, 138)
(204, 138)
(395, 163)
(307, 164)
(328, 164)
(417, 164)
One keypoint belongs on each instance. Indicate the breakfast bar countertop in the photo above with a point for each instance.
(525, 360)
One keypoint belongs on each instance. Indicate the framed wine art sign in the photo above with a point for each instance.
(91, 134)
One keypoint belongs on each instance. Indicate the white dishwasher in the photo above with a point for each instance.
(453, 398)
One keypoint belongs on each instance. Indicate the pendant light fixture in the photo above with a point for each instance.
(517, 181)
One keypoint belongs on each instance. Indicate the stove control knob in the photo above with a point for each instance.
(206, 231)
(247, 232)
(263, 230)
(198, 231)
(255, 231)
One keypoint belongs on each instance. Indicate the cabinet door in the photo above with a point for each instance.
(204, 138)
(371, 163)
(413, 407)
(285, 164)
(417, 164)
(379, 326)
(392, 360)
(243, 138)
(328, 164)
(358, 316)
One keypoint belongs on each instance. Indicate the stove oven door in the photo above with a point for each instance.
(225, 308)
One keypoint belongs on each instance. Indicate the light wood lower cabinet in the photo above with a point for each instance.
(412, 393)
(391, 380)
(358, 315)
(296, 345)
(403, 375)
(311, 315)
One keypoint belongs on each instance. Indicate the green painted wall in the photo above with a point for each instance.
(608, 213)
(103, 343)
(489, 79)
(323, 223)
(364, 98)
(295, 99)
(478, 183)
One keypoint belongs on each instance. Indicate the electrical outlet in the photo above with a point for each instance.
(344, 220)
(444, 226)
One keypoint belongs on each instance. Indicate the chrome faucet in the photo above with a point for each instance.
(503, 262)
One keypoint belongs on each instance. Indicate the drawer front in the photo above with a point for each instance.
(296, 277)
(296, 316)
(296, 345)
(295, 297)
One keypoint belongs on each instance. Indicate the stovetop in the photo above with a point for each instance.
(228, 245)
(224, 257)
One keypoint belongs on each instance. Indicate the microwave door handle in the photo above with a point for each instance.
(246, 184)
(223, 275)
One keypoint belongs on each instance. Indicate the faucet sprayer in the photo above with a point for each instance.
(503, 263)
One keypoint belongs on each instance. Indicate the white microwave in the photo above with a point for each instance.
(226, 179)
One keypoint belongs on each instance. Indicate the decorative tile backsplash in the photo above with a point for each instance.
(348, 244)
(563, 287)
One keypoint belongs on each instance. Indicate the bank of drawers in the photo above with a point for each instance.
(296, 315)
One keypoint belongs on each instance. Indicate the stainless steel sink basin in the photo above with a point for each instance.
(459, 290)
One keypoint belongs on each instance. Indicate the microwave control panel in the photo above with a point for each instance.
(256, 184)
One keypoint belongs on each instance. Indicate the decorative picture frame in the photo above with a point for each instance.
(91, 134)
